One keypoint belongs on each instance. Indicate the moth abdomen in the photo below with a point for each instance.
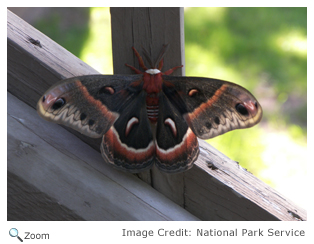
(152, 112)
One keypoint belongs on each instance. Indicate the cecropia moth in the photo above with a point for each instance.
(149, 117)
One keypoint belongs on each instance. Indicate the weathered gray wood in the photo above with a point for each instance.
(223, 192)
(33, 68)
(27, 203)
(74, 176)
(150, 28)
(235, 193)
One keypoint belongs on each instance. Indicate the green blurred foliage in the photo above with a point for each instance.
(245, 39)
(67, 26)
(262, 49)
(85, 32)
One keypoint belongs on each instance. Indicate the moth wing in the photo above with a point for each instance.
(176, 145)
(89, 104)
(129, 144)
(212, 107)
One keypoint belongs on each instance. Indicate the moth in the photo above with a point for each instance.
(149, 117)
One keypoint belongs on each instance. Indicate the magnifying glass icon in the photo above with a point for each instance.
(14, 233)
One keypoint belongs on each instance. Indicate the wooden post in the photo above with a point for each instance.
(216, 188)
(150, 28)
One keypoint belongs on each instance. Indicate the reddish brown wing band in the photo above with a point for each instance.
(129, 144)
(213, 107)
(149, 118)
(88, 104)
(176, 145)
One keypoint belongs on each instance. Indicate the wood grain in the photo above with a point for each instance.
(148, 28)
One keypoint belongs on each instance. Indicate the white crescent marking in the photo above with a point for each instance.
(129, 125)
(172, 125)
